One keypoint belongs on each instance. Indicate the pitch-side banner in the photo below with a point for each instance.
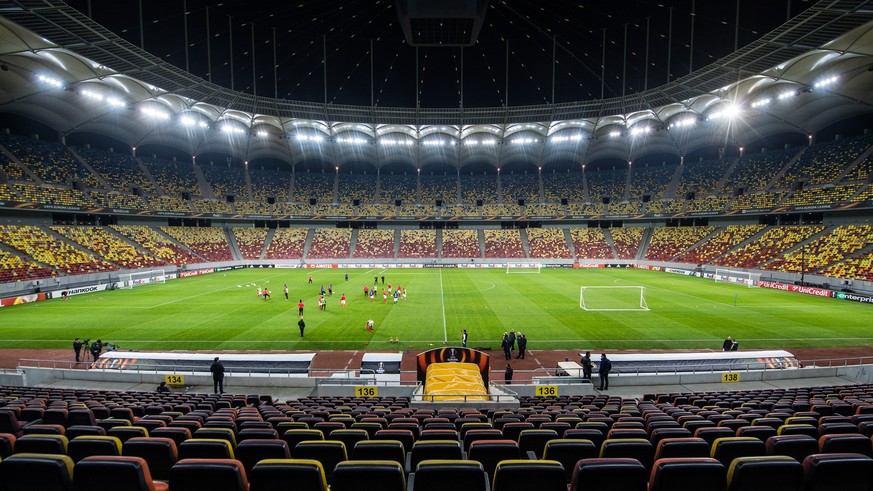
(78, 291)
(9, 301)
(808, 290)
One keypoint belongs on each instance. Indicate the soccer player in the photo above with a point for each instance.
(383, 280)
(389, 288)
(343, 301)
(266, 295)
(285, 289)
(330, 290)
(366, 291)
(321, 303)
(372, 295)
(404, 295)
(370, 325)
(300, 307)
(347, 277)
(384, 296)
(322, 290)
(310, 279)
(396, 296)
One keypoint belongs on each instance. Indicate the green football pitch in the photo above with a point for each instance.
(221, 311)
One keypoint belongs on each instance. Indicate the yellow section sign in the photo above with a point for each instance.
(366, 391)
(730, 377)
(175, 379)
(547, 390)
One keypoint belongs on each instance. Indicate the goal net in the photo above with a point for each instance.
(613, 298)
(523, 268)
(737, 277)
(131, 280)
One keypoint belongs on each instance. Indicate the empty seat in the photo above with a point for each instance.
(257, 434)
(7, 445)
(760, 432)
(512, 430)
(368, 474)
(273, 474)
(490, 452)
(110, 473)
(178, 435)
(610, 473)
(681, 447)
(433, 450)
(769, 473)
(797, 447)
(125, 433)
(349, 436)
(216, 434)
(845, 443)
(439, 434)
(800, 429)
(379, 450)
(596, 437)
(293, 437)
(481, 434)
(725, 450)
(404, 436)
(568, 451)
(534, 441)
(836, 428)
(659, 434)
(634, 448)
(93, 445)
(80, 430)
(713, 434)
(211, 474)
(835, 471)
(48, 444)
(205, 448)
(43, 472)
(160, 454)
(43, 429)
(250, 452)
(328, 452)
(459, 475)
(687, 474)
(524, 475)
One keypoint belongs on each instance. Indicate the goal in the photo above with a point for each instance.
(131, 280)
(523, 268)
(737, 277)
(613, 298)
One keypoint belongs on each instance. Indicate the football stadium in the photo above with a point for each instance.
(375, 245)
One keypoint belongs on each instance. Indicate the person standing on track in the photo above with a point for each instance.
(603, 371)
(285, 289)
(300, 307)
(301, 325)
(464, 338)
(586, 365)
(522, 345)
(217, 370)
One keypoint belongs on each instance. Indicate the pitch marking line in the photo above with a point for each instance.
(443, 305)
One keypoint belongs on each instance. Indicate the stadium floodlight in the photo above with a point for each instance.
(729, 110)
(489, 142)
(155, 113)
(262, 134)
(92, 95)
(115, 102)
(566, 139)
(471, 143)
(786, 94)
(684, 122)
(640, 130)
(761, 102)
(524, 141)
(433, 143)
(232, 129)
(309, 138)
(50, 81)
(188, 121)
(825, 82)
(355, 140)
(614, 134)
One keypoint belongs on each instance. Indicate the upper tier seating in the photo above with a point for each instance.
(287, 243)
(377, 210)
(461, 244)
(157, 244)
(270, 184)
(544, 210)
(590, 243)
(476, 187)
(50, 162)
(586, 208)
(119, 200)
(711, 203)
(374, 244)
(313, 185)
(398, 186)
(718, 244)
(461, 211)
(629, 208)
(701, 177)
(111, 247)
(226, 181)
(823, 162)
(665, 206)
(209, 243)
(250, 241)
(820, 196)
(438, 187)
(757, 200)
(753, 172)
(330, 243)
(503, 243)
(501, 210)
(668, 242)
(49, 250)
(606, 182)
(520, 186)
(547, 243)
(211, 206)
(563, 185)
(627, 241)
(120, 171)
(173, 178)
(52, 195)
(166, 203)
(418, 211)
(417, 244)
(773, 242)
(352, 187)
(651, 180)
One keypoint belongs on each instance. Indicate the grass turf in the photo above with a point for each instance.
(221, 311)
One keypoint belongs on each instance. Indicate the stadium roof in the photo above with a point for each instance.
(61, 68)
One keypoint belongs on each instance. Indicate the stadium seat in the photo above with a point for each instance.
(9, 423)
(822, 472)
(349, 436)
(43, 429)
(379, 450)
(159, 453)
(110, 473)
(433, 450)
(404, 436)
(523, 475)
(725, 450)
(481, 434)
(7, 445)
(658, 434)
(125, 433)
(79, 430)
(568, 451)
(205, 448)
(328, 452)
(760, 432)
(434, 475)
(368, 474)
(634, 448)
(252, 451)
(595, 436)
(439, 434)
(609, 473)
(178, 435)
(293, 437)
(490, 452)
(29, 472)
(799, 429)
(534, 441)
(273, 474)
(216, 434)
(687, 474)
(45, 444)
(212, 474)
(713, 434)
(682, 447)
(769, 473)
(93, 445)
(845, 443)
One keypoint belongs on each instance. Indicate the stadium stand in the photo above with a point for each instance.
(211, 206)
(753, 172)
(287, 243)
(166, 203)
(250, 241)
(330, 244)
(252, 208)
(461, 244)
(711, 203)
(757, 200)
(158, 244)
(374, 243)
(49, 250)
(270, 184)
(313, 185)
(17, 268)
(476, 187)
(121, 172)
(438, 187)
(629, 208)
(833, 246)
(109, 246)
(719, 243)
(651, 180)
(773, 241)
(627, 241)
(398, 186)
(226, 180)
(360, 187)
(665, 206)
(503, 243)
(606, 183)
(854, 268)
(520, 186)
(207, 242)
(119, 200)
(418, 211)
(377, 210)
(544, 210)
(569, 186)
(824, 162)
(500, 210)
(173, 178)
(417, 244)
(547, 243)
(341, 210)
(590, 243)
(50, 162)
(669, 242)
(701, 177)
(822, 195)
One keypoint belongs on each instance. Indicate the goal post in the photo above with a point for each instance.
(140, 278)
(737, 277)
(523, 268)
(613, 298)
